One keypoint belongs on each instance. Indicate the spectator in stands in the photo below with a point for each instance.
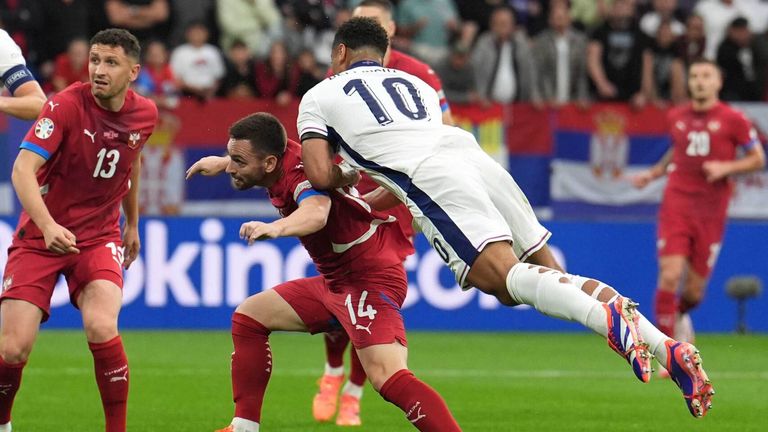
(668, 71)
(309, 73)
(503, 63)
(663, 10)
(588, 14)
(560, 55)
(458, 76)
(156, 80)
(146, 19)
(736, 57)
(197, 64)
(185, 12)
(717, 15)
(691, 45)
(71, 66)
(324, 41)
(274, 76)
(256, 22)
(430, 25)
(240, 80)
(615, 57)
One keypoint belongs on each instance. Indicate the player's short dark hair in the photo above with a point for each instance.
(705, 61)
(739, 22)
(362, 32)
(264, 131)
(116, 37)
(381, 4)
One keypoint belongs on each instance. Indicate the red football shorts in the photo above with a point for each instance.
(697, 239)
(31, 274)
(366, 306)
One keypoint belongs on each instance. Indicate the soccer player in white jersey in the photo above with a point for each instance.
(387, 123)
(27, 98)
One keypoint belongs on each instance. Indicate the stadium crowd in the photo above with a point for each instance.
(545, 52)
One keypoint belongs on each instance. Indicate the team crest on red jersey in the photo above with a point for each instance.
(7, 282)
(713, 126)
(133, 139)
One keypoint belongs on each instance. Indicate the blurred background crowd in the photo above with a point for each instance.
(561, 51)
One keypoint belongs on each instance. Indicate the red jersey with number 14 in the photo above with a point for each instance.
(697, 137)
(89, 154)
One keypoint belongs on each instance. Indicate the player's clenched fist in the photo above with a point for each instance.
(208, 166)
(59, 239)
(254, 230)
(131, 245)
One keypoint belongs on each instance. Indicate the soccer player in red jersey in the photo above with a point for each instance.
(77, 165)
(27, 98)
(706, 135)
(328, 399)
(362, 284)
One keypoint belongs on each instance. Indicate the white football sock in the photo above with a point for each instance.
(650, 334)
(554, 298)
(5, 427)
(334, 371)
(243, 425)
(351, 389)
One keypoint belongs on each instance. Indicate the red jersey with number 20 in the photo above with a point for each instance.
(698, 137)
(355, 239)
(89, 154)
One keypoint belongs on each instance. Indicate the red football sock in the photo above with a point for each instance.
(10, 381)
(251, 366)
(112, 375)
(666, 308)
(335, 345)
(357, 374)
(422, 405)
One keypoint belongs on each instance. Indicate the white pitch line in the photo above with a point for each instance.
(439, 373)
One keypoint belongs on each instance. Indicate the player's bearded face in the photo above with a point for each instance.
(246, 169)
(110, 71)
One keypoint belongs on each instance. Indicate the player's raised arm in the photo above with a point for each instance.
(131, 241)
(208, 166)
(320, 168)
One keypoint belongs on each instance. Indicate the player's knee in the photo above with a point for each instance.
(670, 277)
(100, 329)
(378, 374)
(14, 351)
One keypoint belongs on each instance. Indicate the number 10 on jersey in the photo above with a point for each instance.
(402, 92)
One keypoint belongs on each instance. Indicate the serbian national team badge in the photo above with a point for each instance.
(44, 128)
(7, 282)
(133, 139)
(713, 126)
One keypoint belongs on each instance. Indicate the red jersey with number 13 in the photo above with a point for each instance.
(89, 154)
(697, 137)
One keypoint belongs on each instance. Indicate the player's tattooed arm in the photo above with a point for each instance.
(57, 238)
(309, 218)
(320, 168)
(641, 179)
(131, 241)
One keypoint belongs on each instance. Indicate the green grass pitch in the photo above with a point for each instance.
(491, 381)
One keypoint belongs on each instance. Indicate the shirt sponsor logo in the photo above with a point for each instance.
(44, 128)
(110, 135)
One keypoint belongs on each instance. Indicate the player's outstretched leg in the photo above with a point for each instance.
(498, 272)
(681, 359)
(389, 375)
(351, 393)
(326, 399)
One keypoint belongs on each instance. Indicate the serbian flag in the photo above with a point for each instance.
(596, 151)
